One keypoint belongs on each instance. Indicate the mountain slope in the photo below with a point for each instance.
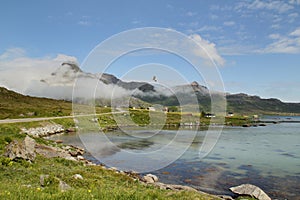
(250, 104)
(237, 103)
(68, 72)
(15, 105)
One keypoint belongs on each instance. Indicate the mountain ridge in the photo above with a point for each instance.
(148, 94)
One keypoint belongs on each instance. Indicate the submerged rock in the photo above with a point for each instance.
(23, 149)
(251, 190)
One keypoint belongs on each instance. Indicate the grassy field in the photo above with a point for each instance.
(14, 105)
(22, 179)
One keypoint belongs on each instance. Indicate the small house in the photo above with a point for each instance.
(230, 114)
(209, 115)
(151, 108)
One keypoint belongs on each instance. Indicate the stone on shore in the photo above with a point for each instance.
(23, 149)
(150, 178)
(51, 152)
(251, 190)
(44, 131)
(164, 186)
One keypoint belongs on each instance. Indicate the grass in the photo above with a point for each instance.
(14, 105)
(144, 118)
(97, 183)
(22, 179)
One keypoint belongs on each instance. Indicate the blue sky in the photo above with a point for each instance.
(259, 41)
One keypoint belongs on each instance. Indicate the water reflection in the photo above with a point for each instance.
(268, 157)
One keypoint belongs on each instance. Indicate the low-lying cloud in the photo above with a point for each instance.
(47, 77)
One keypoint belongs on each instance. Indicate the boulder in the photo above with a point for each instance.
(150, 178)
(63, 186)
(164, 186)
(225, 197)
(77, 176)
(80, 158)
(21, 149)
(43, 179)
(155, 178)
(251, 190)
(51, 152)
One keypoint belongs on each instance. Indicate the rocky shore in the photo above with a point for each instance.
(28, 148)
(47, 130)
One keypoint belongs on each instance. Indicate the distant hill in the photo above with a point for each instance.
(15, 105)
(254, 104)
(237, 103)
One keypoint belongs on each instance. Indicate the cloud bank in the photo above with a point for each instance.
(47, 77)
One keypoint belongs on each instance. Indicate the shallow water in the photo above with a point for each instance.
(268, 157)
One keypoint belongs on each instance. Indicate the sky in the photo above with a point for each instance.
(255, 44)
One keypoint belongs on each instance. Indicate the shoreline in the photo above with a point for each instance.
(88, 162)
(161, 185)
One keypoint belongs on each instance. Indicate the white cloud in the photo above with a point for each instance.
(210, 49)
(275, 26)
(229, 23)
(279, 6)
(208, 28)
(220, 8)
(12, 53)
(84, 23)
(191, 14)
(296, 2)
(47, 77)
(293, 15)
(296, 32)
(237, 49)
(284, 44)
(214, 17)
(274, 36)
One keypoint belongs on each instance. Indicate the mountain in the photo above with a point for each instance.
(111, 79)
(184, 95)
(59, 84)
(68, 72)
(254, 104)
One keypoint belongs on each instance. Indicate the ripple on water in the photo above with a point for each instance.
(288, 155)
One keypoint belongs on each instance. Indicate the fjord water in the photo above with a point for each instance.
(267, 156)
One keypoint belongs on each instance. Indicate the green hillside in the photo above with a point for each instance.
(14, 105)
(237, 103)
(253, 104)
